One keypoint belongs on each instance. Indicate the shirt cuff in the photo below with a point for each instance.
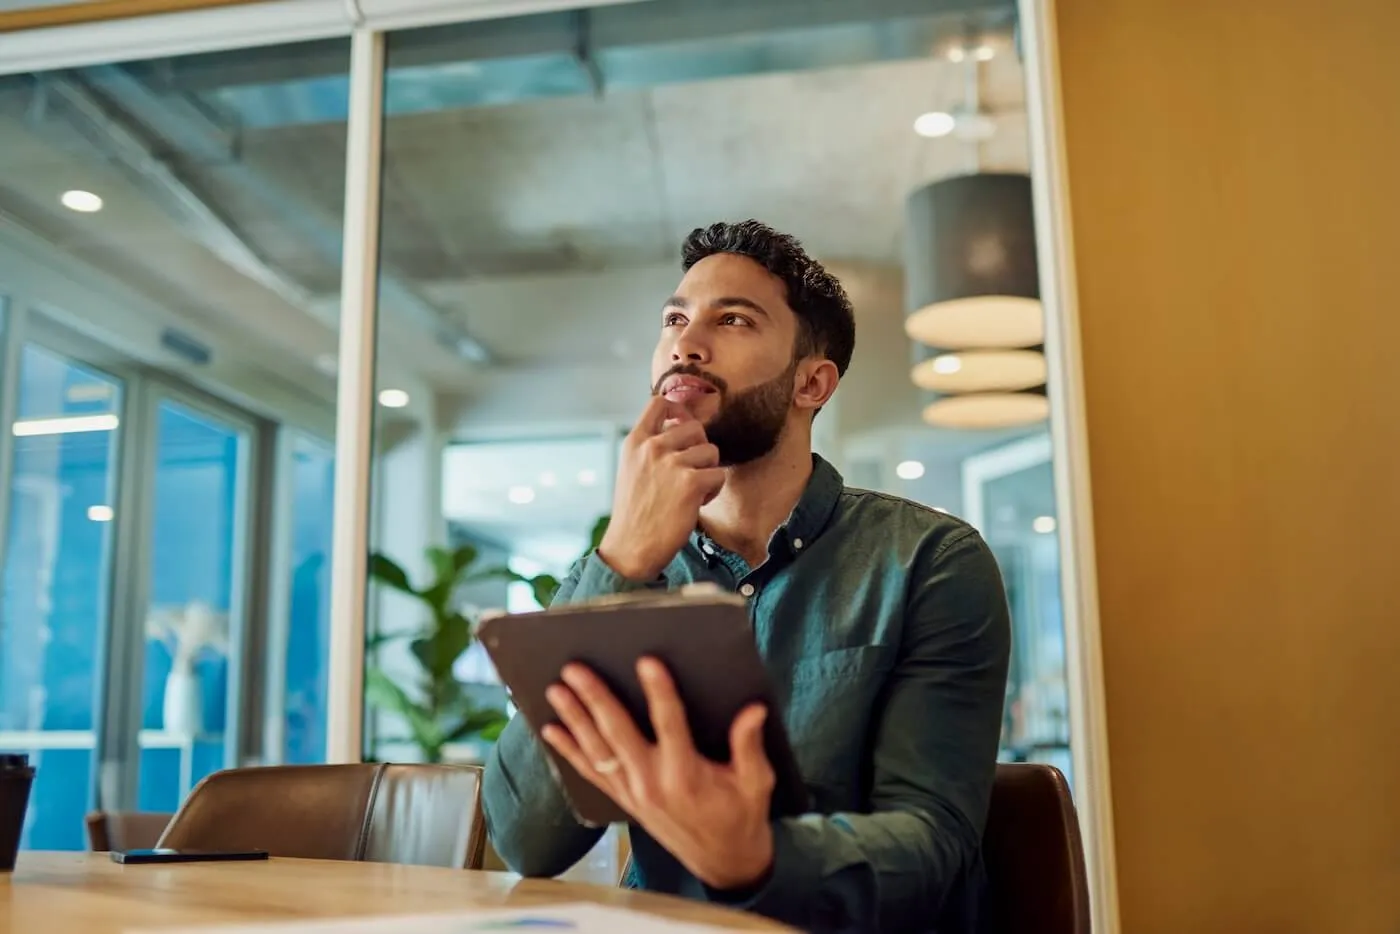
(791, 884)
(598, 579)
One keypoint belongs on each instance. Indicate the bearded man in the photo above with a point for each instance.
(883, 624)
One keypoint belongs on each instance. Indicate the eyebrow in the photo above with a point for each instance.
(732, 301)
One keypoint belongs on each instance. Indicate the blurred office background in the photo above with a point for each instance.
(170, 239)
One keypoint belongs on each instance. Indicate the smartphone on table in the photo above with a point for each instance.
(140, 857)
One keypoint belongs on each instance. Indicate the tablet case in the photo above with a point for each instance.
(705, 641)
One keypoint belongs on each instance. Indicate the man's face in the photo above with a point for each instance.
(726, 354)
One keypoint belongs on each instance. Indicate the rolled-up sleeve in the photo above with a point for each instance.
(528, 819)
(934, 759)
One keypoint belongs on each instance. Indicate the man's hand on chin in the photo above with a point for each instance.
(712, 817)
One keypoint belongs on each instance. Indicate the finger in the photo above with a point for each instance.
(561, 742)
(746, 753)
(611, 720)
(658, 412)
(665, 709)
(681, 436)
(701, 455)
(708, 482)
(579, 724)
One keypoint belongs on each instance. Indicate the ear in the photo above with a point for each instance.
(816, 380)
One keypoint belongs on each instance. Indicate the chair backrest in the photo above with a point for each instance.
(1034, 855)
(417, 814)
(125, 830)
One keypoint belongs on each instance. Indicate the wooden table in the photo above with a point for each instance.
(87, 893)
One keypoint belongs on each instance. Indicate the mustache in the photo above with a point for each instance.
(689, 369)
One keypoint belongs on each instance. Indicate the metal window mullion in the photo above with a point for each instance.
(243, 583)
(277, 595)
(11, 359)
(119, 753)
(355, 398)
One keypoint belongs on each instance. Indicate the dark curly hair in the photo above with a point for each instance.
(826, 321)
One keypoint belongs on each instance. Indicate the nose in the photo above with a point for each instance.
(690, 346)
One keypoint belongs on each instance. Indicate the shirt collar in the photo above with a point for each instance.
(811, 515)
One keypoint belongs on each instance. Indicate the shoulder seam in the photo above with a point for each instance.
(891, 498)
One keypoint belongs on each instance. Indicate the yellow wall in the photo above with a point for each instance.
(1235, 187)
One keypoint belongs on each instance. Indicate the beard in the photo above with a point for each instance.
(749, 423)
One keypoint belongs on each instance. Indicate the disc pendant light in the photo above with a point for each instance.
(972, 288)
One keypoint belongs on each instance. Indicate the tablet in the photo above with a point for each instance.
(705, 641)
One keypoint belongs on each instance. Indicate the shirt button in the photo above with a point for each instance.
(707, 549)
(797, 544)
(746, 590)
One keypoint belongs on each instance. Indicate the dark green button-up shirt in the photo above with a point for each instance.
(885, 629)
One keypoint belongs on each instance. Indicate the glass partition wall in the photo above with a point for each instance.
(170, 267)
(248, 288)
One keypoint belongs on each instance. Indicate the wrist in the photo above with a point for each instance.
(749, 870)
(638, 571)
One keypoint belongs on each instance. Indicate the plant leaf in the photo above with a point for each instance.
(545, 586)
(600, 528)
(496, 573)
(462, 558)
(477, 723)
(441, 561)
(390, 574)
(438, 650)
(383, 693)
(379, 639)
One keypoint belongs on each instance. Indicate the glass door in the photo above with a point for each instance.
(193, 632)
(54, 609)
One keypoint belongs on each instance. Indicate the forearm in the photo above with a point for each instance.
(888, 871)
(528, 818)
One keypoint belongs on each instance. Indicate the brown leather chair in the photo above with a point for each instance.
(125, 830)
(1034, 855)
(417, 814)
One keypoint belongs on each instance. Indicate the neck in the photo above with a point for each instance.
(759, 496)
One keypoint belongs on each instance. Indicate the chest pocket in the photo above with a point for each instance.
(831, 714)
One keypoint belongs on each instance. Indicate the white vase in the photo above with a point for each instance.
(183, 710)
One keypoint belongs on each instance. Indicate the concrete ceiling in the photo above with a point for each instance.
(546, 229)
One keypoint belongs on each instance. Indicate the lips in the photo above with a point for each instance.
(686, 388)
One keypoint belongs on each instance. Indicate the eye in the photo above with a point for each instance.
(731, 319)
(672, 319)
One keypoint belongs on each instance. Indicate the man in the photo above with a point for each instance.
(884, 626)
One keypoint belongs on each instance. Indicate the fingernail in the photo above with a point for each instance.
(648, 668)
(570, 674)
(554, 694)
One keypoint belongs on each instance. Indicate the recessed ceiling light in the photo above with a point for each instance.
(935, 124)
(909, 470)
(64, 425)
(587, 477)
(393, 398)
(1044, 524)
(957, 54)
(548, 478)
(100, 513)
(327, 363)
(84, 202)
(520, 495)
(984, 53)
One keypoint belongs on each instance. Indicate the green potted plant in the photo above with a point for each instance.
(437, 708)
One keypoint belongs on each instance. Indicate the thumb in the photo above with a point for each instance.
(747, 755)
